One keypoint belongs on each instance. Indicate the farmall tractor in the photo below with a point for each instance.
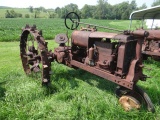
(113, 56)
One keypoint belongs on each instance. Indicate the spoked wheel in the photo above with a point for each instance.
(133, 99)
(72, 21)
(33, 52)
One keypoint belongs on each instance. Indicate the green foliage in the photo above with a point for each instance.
(7, 14)
(143, 6)
(37, 12)
(58, 12)
(12, 14)
(69, 8)
(73, 94)
(124, 9)
(19, 15)
(156, 2)
(27, 16)
(87, 11)
(31, 9)
(101, 9)
(52, 14)
(42, 9)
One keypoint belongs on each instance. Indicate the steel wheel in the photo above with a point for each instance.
(136, 97)
(129, 102)
(33, 52)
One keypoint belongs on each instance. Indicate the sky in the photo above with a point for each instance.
(61, 3)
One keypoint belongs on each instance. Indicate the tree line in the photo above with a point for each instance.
(103, 10)
(12, 14)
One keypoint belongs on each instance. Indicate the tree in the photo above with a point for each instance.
(69, 8)
(155, 3)
(87, 11)
(42, 9)
(58, 12)
(123, 10)
(12, 14)
(115, 12)
(143, 6)
(37, 12)
(31, 9)
(7, 14)
(63, 12)
(133, 5)
(100, 12)
(109, 12)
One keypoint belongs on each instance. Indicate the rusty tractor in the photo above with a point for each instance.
(151, 44)
(113, 56)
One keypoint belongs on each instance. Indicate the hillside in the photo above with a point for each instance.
(23, 11)
(4, 7)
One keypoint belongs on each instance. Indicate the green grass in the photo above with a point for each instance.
(75, 94)
(10, 29)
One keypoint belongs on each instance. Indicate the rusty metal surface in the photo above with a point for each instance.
(151, 45)
(151, 53)
(154, 35)
(31, 56)
(104, 74)
(142, 33)
(120, 61)
(80, 38)
(123, 38)
(102, 35)
(61, 38)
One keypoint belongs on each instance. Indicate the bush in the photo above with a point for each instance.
(27, 16)
(19, 15)
(12, 14)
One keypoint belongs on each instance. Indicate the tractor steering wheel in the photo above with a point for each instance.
(72, 21)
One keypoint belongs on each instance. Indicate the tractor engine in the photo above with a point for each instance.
(94, 49)
(109, 52)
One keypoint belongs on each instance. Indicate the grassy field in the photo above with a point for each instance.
(10, 29)
(74, 95)
(23, 11)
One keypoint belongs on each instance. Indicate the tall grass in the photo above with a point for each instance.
(73, 94)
